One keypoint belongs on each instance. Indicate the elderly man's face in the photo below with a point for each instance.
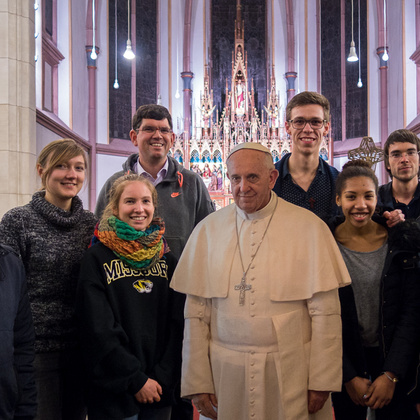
(251, 178)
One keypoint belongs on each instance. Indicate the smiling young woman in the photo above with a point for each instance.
(131, 322)
(51, 234)
(381, 308)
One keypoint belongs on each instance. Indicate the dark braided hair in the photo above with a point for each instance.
(353, 169)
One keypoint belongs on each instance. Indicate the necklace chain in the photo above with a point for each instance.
(242, 286)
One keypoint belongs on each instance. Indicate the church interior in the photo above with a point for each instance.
(225, 69)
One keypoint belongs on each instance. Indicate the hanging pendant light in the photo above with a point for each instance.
(352, 55)
(93, 54)
(385, 56)
(128, 53)
(359, 82)
(116, 84)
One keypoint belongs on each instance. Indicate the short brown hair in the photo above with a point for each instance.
(399, 136)
(57, 152)
(118, 188)
(308, 98)
(152, 111)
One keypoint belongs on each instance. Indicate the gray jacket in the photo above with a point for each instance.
(183, 201)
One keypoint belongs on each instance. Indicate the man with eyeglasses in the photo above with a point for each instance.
(402, 163)
(305, 179)
(183, 198)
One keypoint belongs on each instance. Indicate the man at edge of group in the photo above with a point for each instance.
(305, 179)
(183, 198)
(401, 149)
(262, 317)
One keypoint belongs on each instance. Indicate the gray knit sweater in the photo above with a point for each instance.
(51, 243)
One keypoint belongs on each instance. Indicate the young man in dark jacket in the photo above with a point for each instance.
(402, 149)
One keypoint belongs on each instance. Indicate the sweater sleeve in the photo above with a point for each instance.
(109, 361)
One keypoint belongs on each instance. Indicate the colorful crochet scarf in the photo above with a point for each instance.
(139, 249)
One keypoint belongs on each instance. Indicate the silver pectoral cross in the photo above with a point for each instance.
(242, 287)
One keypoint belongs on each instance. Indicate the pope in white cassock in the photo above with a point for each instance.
(262, 318)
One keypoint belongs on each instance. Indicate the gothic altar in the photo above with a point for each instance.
(214, 135)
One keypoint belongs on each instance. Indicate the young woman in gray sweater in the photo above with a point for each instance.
(51, 234)
(380, 310)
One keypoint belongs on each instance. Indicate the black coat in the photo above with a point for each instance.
(17, 382)
(399, 315)
(131, 327)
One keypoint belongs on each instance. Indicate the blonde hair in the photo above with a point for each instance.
(118, 188)
(57, 152)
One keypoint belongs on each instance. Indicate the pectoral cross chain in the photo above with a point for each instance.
(242, 287)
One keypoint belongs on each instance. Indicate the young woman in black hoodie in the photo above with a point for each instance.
(381, 308)
(131, 322)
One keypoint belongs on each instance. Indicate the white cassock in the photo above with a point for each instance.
(261, 358)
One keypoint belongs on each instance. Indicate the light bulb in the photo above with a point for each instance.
(177, 95)
(359, 83)
(385, 57)
(352, 55)
(93, 55)
(128, 53)
(116, 84)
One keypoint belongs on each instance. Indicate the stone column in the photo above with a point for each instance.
(17, 104)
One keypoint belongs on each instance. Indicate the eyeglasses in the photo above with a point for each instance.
(398, 155)
(315, 123)
(152, 130)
